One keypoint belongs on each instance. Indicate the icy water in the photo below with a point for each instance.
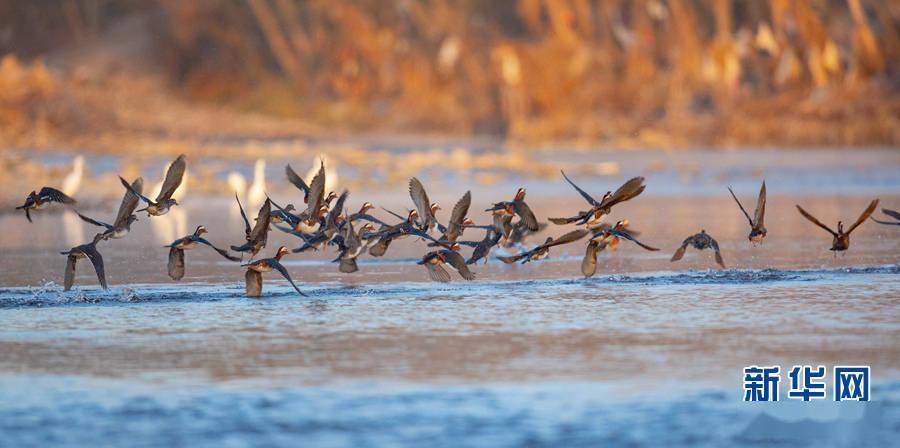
(646, 353)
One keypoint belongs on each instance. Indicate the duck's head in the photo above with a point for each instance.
(323, 210)
(201, 229)
(413, 215)
(282, 251)
(520, 194)
(455, 247)
(840, 227)
(289, 208)
(366, 207)
(331, 196)
(368, 227)
(468, 222)
(435, 208)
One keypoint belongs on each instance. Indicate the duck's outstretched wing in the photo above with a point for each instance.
(97, 260)
(221, 252)
(129, 202)
(749, 219)
(174, 175)
(457, 216)
(587, 197)
(253, 281)
(589, 263)
(261, 227)
(456, 260)
(297, 181)
(631, 238)
(891, 213)
(316, 192)
(760, 213)
(437, 273)
(93, 221)
(420, 198)
(524, 212)
(815, 221)
(569, 237)
(715, 246)
(135, 192)
(628, 190)
(680, 252)
(52, 194)
(865, 215)
(514, 258)
(243, 216)
(176, 263)
(284, 273)
(71, 260)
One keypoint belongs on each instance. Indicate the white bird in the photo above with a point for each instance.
(256, 195)
(331, 176)
(238, 185)
(72, 182)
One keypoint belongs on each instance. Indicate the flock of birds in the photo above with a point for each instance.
(324, 221)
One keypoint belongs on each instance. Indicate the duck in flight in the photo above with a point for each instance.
(425, 219)
(600, 209)
(757, 227)
(435, 261)
(699, 241)
(542, 251)
(892, 214)
(164, 201)
(255, 270)
(177, 248)
(90, 252)
(256, 236)
(841, 238)
(125, 218)
(504, 211)
(39, 200)
(607, 236)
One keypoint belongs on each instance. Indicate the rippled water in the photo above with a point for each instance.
(645, 353)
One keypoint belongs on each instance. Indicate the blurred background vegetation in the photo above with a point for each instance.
(593, 73)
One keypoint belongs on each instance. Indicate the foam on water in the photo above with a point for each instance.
(51, 294)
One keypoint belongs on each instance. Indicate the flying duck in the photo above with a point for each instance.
(434, 262)
(517, 207)
(257, 235)
(892, 214)
(177, 248)
(542, 251)
(841, 240)
(600, 209)
(164, 200)
(425, 208)
(757, 227)
(607, 236)
(298, 182)
(122, 225)
(90, 252)
(253, 276)
(388, 234)
(482, 249)
(352, 245)
(310, 219)
(39, 200)
(699, 241)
